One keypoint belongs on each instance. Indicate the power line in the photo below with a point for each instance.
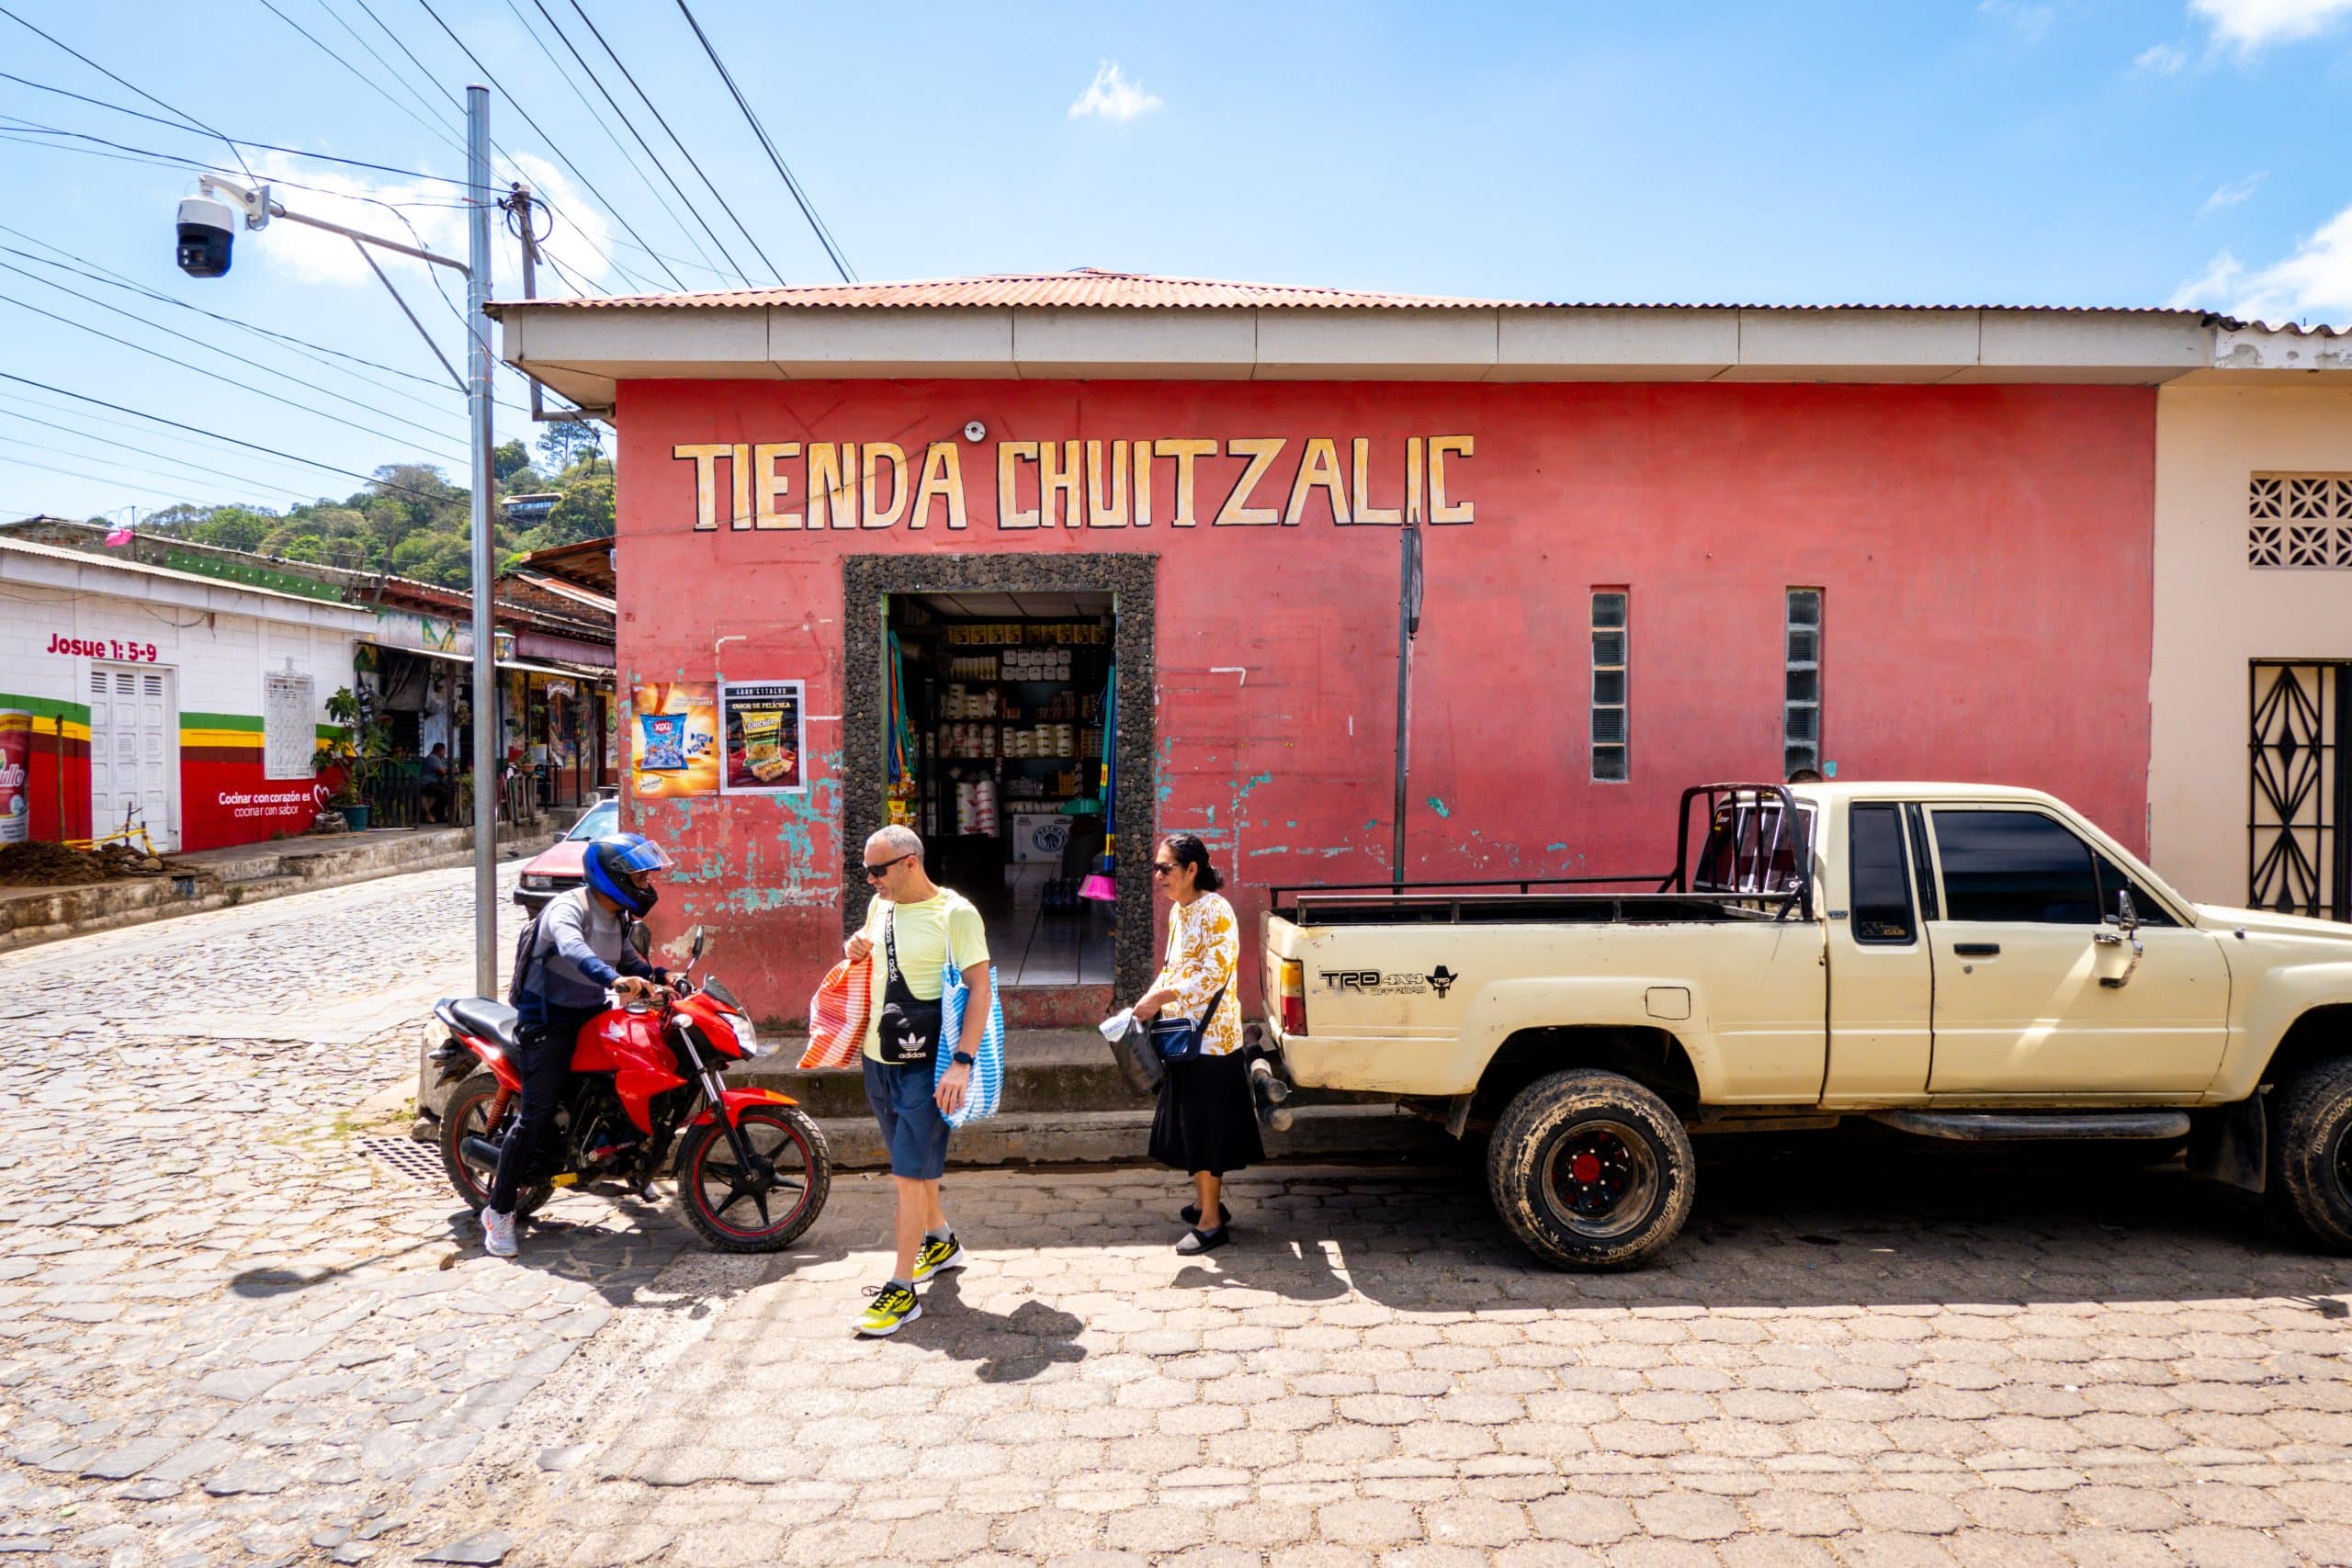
(824, 235)
(246, 479)
(193, 369)
(176, 425)
(598, 120)
(440, 130)
(116, 280)
(552, 146)
(110, 76)
(390, 70)
(716, 195)
(178, 496)
(225, 353)
(17, 400)
(233, 141)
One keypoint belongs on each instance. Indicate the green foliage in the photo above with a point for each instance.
(412, 522)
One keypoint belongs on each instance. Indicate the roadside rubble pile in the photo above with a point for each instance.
(55, 865)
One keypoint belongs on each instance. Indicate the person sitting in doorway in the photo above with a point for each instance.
(434, 771)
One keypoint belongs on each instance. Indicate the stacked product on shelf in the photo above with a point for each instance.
(976, 808)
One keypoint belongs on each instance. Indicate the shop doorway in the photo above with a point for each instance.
(981, 693)
(134, 751)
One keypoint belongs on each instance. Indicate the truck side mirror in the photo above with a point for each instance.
(2127, 915)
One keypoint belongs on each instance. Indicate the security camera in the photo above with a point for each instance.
(207, 228)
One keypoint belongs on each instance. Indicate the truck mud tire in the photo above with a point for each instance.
(2311, 1153)
(1590, 1170)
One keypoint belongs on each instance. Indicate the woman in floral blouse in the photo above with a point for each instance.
(1207, 1125)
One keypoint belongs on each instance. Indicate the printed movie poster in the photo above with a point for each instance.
(674, 738)
(760, 721)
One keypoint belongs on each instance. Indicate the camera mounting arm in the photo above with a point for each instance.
(259, 207)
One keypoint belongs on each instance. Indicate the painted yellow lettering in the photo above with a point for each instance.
(1319, 469)
(1413, 480)
(1187, 453)
(1010, 455)
(1112, 512)
(1461, 445)
(1057, 485)
(1143, 484)
(1261, 451)
(704, 457)
(943, 479)
(739, 466)
(1365, 511)
(772, 485)
(833, 484)
(880, 455)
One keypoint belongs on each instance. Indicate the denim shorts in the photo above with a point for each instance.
(913, 1128)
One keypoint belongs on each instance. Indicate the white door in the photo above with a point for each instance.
(134, 750)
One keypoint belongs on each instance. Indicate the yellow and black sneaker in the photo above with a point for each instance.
(937, 1258)
(893, 1307)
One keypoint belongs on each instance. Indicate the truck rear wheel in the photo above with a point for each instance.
(2311, 1153)
(1590, 1170)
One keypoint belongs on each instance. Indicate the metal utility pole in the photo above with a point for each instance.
(1408, 626)
(479, 367)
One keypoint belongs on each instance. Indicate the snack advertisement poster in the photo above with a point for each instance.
(761, 723)
(674, 738)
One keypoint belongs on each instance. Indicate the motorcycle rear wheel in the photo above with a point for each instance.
(466, 1114)
(733, 1221)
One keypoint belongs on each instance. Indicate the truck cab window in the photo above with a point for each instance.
(2015, 867)
(1880, 875)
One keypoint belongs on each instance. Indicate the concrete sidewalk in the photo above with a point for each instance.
(211, 879)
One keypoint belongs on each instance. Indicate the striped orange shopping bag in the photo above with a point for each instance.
(837, 1015)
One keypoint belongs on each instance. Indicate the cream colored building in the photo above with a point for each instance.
(2248, 800)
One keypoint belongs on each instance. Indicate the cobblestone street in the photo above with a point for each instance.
(235, 1332)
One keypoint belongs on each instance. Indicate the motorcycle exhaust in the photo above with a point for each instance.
(479, 1153)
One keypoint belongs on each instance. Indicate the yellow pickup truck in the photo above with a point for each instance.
(1956, 961)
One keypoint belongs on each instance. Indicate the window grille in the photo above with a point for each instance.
(1609, 633)
(1800, 711)
(2299, 520)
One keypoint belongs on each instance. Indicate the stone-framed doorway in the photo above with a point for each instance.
(1131, 579)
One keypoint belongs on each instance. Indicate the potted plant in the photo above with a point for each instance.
(357, 750)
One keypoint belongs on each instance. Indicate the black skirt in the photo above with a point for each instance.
(1207, 1121)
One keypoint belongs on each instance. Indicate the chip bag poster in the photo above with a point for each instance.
(674, 738)
(761, 720)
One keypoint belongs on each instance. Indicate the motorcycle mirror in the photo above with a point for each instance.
(688, 946)
(639, 938)
(699, 941)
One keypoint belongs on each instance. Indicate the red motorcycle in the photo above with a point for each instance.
(753, 1170)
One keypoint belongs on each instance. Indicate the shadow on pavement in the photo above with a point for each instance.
(1811, 1219)
(1010, 1346)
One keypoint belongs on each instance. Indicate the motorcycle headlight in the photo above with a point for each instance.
(745, 1035)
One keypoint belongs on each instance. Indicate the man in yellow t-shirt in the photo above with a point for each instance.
(910, 928)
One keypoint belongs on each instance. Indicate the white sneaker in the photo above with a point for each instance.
(498, 1233)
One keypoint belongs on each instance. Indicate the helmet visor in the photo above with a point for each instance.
(640, 855)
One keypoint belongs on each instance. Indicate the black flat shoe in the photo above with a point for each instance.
(1191, 1214)
(1197, 1240)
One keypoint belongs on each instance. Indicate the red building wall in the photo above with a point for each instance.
(1985, 554)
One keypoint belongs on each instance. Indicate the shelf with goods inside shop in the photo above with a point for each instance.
(1006, 718)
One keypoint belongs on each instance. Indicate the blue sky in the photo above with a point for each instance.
(2005, 152)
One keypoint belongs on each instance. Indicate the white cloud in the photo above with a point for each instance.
(2208, 289)
(580, 242)
(2160, 59)
(2231, 194)
(1113, 97)
(2031, 21)
(2250, 23)
(2315, 282)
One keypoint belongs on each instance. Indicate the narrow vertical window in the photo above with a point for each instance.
(1800, 714)
(1608, 634)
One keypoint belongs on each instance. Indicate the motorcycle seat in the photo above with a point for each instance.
(485, 1019)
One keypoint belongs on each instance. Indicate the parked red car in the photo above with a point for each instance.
(555, 869)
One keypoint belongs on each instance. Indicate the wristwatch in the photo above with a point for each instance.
(962, 1058)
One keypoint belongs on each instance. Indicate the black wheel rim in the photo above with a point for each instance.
(2342, 1164)
(767, 1199)
(1601, 1179)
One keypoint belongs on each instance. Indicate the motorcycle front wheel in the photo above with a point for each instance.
(467, 1115)
(729, 1206)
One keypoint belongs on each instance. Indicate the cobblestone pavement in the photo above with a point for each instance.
(231, 1332)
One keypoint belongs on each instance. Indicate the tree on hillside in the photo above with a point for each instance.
(569, 442)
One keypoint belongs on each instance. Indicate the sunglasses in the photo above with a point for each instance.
(1163, 868)
(876, 872)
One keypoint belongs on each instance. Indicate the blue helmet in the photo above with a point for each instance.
(620, 867)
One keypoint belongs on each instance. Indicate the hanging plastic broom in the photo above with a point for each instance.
(1100, 886)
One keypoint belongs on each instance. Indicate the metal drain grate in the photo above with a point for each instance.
(418, 1162)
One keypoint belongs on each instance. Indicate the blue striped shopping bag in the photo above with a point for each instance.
(986, 1089)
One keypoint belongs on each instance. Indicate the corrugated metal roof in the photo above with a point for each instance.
(1092, 288)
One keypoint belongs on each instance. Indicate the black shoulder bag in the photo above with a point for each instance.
(909, 1027)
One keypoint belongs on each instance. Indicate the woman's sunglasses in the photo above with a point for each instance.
(1163, 868)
